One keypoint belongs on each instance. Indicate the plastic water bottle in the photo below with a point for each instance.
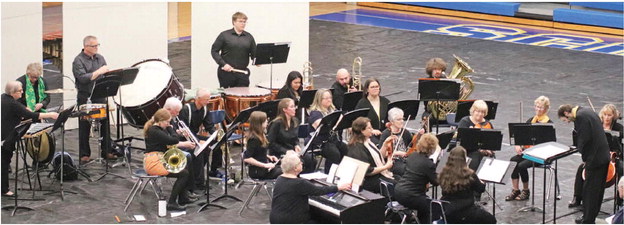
(162, 206)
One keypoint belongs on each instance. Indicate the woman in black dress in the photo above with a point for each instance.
(261, 164)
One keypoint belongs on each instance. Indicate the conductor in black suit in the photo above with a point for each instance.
(594, 148)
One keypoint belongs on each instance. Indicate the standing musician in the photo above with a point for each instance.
(363, 149)
(411, 191)
(87, 67)
(283, 133)
(542, 104)
(608, 115)
(341, 86)
(478, 111)
(289, 204)
(377, 105)
(261, 164)
(435, 68)
(34, 96)
(159, 134)
(232, 50)
(594, 148)
(396, 127)
(332, 148)
(12, 114)
(194, 115)
(458, 183)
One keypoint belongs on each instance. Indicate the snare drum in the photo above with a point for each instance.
(277, 85)
(93, 111)
(240, 98)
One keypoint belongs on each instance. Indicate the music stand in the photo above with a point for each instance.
(271, 53)
(127, 76)
(445, 138)
(463, 109)
(532, 134)
(350, 100)
(217, 146)
(19, 131)
(307, 97)
(105, 87)
(270, 108)
(495, 171)
(324, 130)
(476, 138)
(434, 89)
(409, 107)
(60, 123)
(348, 118)
(212, 148)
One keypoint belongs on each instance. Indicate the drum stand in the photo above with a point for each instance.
(107, 143)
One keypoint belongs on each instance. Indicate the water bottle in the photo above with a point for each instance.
(162, 206)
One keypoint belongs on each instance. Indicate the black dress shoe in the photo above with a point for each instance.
(187, 201)
(175, 207)
(192, 195)
(576, 202)
(579, 220)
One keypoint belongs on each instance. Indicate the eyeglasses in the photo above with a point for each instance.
(94, 46)
(374, 87)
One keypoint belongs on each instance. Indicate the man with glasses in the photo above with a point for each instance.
(87, 67)
(232, 50)
(34, 96)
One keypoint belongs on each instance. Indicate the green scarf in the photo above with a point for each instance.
(30, 93)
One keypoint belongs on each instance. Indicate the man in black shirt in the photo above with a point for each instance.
(232, 50)
(194, 115)
(87, 67)
(594, 148)
(34, 96)
(341, 86)
(12, 114)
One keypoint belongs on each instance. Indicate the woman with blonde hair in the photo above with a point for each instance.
(420, 171)
(458, 183)
(332, 148)
(159, 135)
(261, 164)
(476, 119)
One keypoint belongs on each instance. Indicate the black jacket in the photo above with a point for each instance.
(378, 123)
(591, 140)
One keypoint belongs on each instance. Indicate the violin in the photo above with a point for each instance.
(425, 126)
(393, 145)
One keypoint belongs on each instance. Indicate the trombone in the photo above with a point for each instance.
(356, 71)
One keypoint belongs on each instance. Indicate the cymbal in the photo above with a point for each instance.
(59, 91)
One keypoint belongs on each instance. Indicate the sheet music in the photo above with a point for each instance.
(332, 173)
(546, 150)
(313, 176)
(203, 146)
(493, 170)
(437, 154)
(346, 171)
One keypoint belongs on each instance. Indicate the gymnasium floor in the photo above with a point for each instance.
(394, 47)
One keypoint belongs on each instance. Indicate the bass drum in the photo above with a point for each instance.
(40, 147)
(155, 82)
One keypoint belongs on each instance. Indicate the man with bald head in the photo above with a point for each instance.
(194, 115)
(341, 86)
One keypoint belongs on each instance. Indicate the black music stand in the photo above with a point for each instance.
(324, 130)
(307, 97)
(348, 118)
(409, 107)
(438, 90)
(496, 172)
(270, 108)
(463, 109)
(60, 123)
(19, 132)
(350, 100)
(445, 138)
(271, 53)
(476, 138)
(127, 76)
(533, 134)
(207, 192)
(221, 142)
(105, 87)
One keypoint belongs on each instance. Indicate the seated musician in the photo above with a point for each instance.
(618, 218)
(283, 133)
(377, 105)
(261, 164)
(331, 147)
(341, 86)
(290, 194)
(363, 149)
(608, 115)
(420, 171)
(395, 127)
(195, 115)
(12, 114)
(34, 96)
(292, 88)
(542, 104)
(434, 68)
(478, 111)
(458, 183)
(159, 134)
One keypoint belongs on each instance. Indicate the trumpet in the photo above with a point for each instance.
(188, 134)
(173, 160)
(356, 71)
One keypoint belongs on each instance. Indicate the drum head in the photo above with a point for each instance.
(153, 77)
(42, 144)
(246, 92)
(277, 84)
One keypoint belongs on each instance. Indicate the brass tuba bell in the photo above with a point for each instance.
(459, 71)
(308, 80)
(356, 73)
(174, 160)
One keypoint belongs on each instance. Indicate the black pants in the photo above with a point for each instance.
(420, 203)
(471, 215)
(233, 79)
(179, 187)
(593, 192)
(263, 173)
(579, 182)
(84, 130)
(522, 168)
(333, 151)
(7, 154)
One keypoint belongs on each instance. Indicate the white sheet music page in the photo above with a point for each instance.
(492, 170)
(546, 150)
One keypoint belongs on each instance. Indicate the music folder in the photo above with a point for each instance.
(547, 152)
(435, 89)
(351, 171)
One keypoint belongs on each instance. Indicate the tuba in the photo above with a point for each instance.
(459, 71)
(308, 80)
(173, 160)
(356, 71)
